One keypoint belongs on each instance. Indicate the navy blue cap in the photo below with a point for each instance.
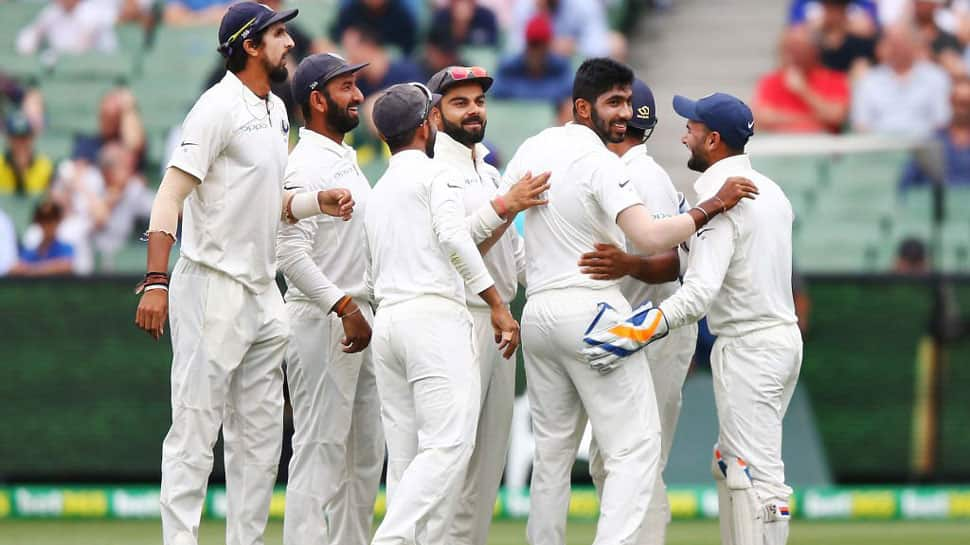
(17, 124)
(644, 107)
(244, 19)
(402, 107)
(721, 112)
(316, 70)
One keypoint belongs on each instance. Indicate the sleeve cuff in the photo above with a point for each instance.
(328, 298)
(480, 283)
(191, 171)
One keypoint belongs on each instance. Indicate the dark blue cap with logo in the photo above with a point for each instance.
(244, 19)
(644, 107)
(721, 112)
(17, 124)
(316, 70)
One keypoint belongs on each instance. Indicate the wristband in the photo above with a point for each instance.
(500, 207)
(723, 206)
(351, 313)
(707, 217)
(152, 287)
(341, 305)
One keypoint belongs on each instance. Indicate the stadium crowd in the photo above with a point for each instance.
(886, 66)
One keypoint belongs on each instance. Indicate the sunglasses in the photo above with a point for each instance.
(430, 97)
(459, 73)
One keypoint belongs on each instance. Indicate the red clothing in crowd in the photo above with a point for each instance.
(772, 92)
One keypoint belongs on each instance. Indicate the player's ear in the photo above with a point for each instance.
(250, 47)
(318, 102)
(435, 116)
(583, 108)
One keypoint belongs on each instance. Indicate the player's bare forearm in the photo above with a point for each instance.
(153, 307)
(656, 269)
(487, 244)
(607, 262)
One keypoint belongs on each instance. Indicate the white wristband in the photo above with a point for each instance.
(155, 287)
(305, 205)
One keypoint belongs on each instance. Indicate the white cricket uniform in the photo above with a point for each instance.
(589, 188)
(739, 274)
(421, 252)
(669, 358)
(229, 326)
(505, 262)
(338, 445)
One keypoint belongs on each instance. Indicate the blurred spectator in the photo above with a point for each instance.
(47, 254)
(118, 122)
(537, 73)
(467, 22)
(911, 257)
(862, 16)
(945, 47)
(25, 98)
(8, 243)
(842, 50)
(195, 12)
(126, 201)
(563, 107)
(70, 26)
(440, 51)
(361, 44)
(391, 20)
(904, 95)
(801, 95)
(78, 189)
(955, 141)
(23, 170)
(579, 28)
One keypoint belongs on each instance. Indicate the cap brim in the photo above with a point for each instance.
(349, 69)
(280, 17)
(685, 107)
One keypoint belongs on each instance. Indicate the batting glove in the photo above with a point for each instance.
(612, 337)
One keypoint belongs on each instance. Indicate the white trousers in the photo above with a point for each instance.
(228, 346)
(754, 379)
(621, 408)
(429, 388)
(338, 443)
(477, 504)
(669, 360)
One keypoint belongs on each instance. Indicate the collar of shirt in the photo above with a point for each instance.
(713, 178)
(251, 98)
(634, 153)
(452, 150)
(324, 142)
(407, 156)
(584, 133)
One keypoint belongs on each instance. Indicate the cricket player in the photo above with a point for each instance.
(739, 275)
(591, 200)
(668, 358)
(229, 327)
(421, 254)
(461, 128)
(338, 444)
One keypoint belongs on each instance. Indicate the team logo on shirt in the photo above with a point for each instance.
(623, 184)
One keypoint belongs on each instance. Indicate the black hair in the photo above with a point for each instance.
(305, 106)
(236, 61)
(597, 76)
(400, 141)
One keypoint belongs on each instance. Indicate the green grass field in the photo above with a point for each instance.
(503, 533)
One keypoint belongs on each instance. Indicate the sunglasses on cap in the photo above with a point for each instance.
(459, 73)
(429, 95)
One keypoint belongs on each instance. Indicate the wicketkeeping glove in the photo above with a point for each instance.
(612, 337)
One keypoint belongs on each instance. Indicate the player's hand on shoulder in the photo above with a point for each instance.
(527, 193)
(152, 312)
(506, 330)
(607, 262)
(734, 189)
(336, 202)
(357, 331)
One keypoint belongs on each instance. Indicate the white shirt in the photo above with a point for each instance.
(916, 104)
(505, 261)
(323, 257)
(8, 244)
(89, 26)
(654, 186)
(740, 265)
(417, 236)
(235, 143)
(589, 188)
